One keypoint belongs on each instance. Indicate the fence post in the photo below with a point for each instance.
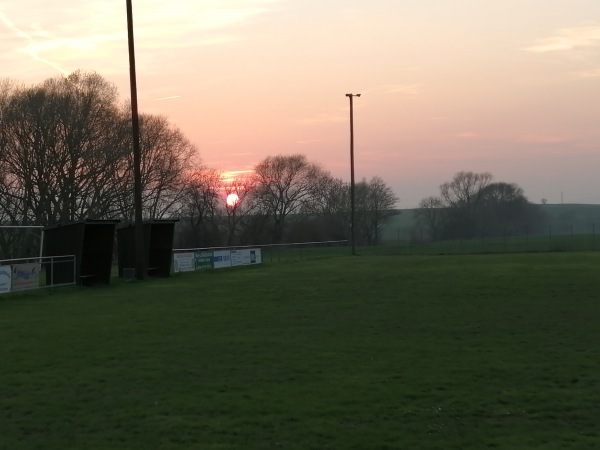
(572, 239)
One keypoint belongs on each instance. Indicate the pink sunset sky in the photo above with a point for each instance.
(506, 86)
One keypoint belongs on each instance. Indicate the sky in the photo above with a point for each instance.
(510, 87)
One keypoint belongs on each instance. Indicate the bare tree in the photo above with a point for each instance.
(465, 189)
(202, 206)
(332, 208)
(285, 185)
(238, 213)
(471, 205)
(167, 156)
(375, 202)
(67, 155)
(505, 210)
(462, 196)
(58, 143)
(431, 215)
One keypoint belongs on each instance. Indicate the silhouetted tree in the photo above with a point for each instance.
(431, 215)
(66, 147)
(60, 149)
(375, 202)
(167, 157)
(285, 185)
(471, 205)
(332, 209)
(505, 210)
(202, 207)
(239, 214)
(461, 196)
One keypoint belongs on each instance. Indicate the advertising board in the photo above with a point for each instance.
(25, 276)
(245, 257)
(183, 262)
(255, 256)
(203, 260)
(5, 277)
(221, 258)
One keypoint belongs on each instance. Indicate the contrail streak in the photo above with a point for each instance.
(167, 98)
(22, 34)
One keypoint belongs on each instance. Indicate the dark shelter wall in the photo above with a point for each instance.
(158, 246)
(91, 242)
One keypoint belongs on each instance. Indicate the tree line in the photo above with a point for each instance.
(473, 205)
(67, 155)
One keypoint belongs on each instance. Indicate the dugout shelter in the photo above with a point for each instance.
(158, 247)
(92, 243)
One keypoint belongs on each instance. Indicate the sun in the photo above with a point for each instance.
(232, 199)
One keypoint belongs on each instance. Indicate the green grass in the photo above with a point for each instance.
(369, 352)
(509, 244)
(568, 227)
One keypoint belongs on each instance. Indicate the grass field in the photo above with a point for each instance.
(367, 352)
(509, 244)
(559, 219)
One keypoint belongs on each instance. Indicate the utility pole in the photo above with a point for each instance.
(140, 263)
(352, 204)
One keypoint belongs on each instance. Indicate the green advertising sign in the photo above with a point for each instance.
(203, 260)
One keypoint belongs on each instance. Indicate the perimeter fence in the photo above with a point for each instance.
(22, 274)
(553, 239)
(269, 253)
(303, 250)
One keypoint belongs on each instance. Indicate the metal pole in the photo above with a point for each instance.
(42, 246)
(352, 205)
(140, 271)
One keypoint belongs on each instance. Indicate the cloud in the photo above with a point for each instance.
(171, 97)
(196, 15)
(591, 73)
(467, 135)
(231, 175)
(403, 89)
(542, 139)
(31, 49)
(310, 141)
(94, 32)
(322, 118)
(566, 39)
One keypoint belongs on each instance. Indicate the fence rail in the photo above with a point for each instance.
(551, 241)
(22, 274)
(284, 252)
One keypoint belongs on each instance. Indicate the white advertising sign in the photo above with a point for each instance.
(25, 276)
(237, 257)
(5, 277)
(245, 257)
(221, 258)
(183, 262)
(255, 256)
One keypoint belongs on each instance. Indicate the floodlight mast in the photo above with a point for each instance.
(140, 269)
(352, 203)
